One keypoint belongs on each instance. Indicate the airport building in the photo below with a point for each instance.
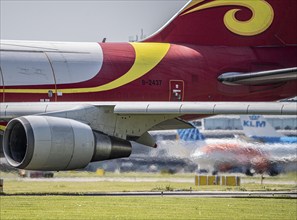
(286, 124)
(232, 122)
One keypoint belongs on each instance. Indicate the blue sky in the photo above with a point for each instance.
(90, 20)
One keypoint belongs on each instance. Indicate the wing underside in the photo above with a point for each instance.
(143, 109)
(132, 120)
(11, 110)
(207, 108)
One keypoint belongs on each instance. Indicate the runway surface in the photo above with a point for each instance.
(201, 194)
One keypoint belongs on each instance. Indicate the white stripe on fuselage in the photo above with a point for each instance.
(27, 62)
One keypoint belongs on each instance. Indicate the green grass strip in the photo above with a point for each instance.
(68, 207)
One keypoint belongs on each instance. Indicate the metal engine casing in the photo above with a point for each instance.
(52, 143)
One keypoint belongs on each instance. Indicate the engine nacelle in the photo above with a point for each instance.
(51, 143)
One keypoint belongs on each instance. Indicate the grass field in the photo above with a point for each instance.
(67, 207)
(23, 187)
(13, 184)
(97, 207)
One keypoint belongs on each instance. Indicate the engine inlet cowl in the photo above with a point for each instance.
(48, 143)
(53, 144)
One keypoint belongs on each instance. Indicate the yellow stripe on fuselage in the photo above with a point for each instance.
(147, 57)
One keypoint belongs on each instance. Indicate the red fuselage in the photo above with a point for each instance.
(185, 73)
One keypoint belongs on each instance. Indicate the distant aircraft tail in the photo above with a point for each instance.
(232, 23)
(257, 126)
(191, 134)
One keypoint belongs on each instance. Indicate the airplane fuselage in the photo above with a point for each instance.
(64, 105)
(52, 71)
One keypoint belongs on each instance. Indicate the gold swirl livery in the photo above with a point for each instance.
(262, 15)
(147, 57)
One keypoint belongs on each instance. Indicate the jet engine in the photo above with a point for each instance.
(52, 143)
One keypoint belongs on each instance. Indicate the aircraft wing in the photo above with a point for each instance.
(259, 78)
(13, 110)
(133, 119)
(207, 108)
(45, 126)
